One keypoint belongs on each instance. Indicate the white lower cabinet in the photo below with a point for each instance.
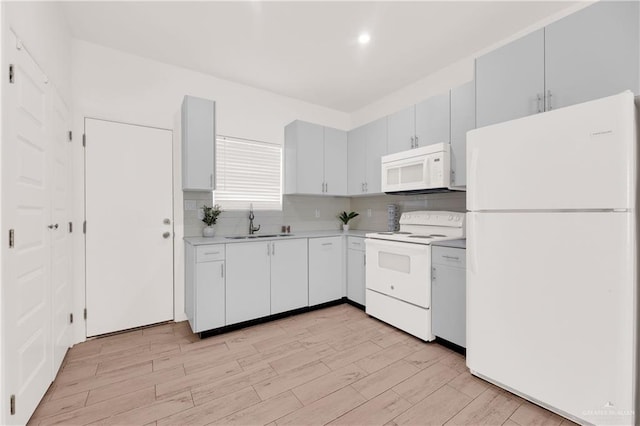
(289, 278)
(326, 259)
(356, 270)
(248, 287)
(205, 286)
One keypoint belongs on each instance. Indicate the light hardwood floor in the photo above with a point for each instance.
(334, 365)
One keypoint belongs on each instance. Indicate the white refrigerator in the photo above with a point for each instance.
(552, 291)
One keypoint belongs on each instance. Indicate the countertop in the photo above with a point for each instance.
(199, 241)
(459, 243)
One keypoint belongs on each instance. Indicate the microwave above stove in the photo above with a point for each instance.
(421, 170)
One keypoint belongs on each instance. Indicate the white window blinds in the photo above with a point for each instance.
(248, 172)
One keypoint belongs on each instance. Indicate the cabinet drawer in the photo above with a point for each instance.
(449, 256)
(210, 253)
(355, 243)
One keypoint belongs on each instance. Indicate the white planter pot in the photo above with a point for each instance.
(208, 231)
(345, 227)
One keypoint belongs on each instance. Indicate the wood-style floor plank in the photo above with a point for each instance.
(334, 365)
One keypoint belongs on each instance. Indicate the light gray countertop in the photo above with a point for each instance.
(198, 241)
(459, 243)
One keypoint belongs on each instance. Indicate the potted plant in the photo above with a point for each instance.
(210, 218)
(345, 218)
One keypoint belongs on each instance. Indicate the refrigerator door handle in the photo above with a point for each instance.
(472, 176)
(471, 249)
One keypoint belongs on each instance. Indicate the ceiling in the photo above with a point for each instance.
(308, 50)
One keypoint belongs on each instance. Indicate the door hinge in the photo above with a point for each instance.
(84, 139)
(11, 238)
(71, 318)
(11, 74)
(12, 405)
(84, 227)
(70, 135)
(70, 227)
(453, 177)
(85, 313)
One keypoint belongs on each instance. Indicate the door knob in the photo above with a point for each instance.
(167, 221)
(166, 234)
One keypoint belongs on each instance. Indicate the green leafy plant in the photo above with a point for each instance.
(211, 214)
(346, 217)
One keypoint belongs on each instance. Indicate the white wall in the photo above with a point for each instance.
(114, 85)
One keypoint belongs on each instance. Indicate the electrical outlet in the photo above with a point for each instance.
(368, 212)
(190, 205)
(317, 213)
(200, 214)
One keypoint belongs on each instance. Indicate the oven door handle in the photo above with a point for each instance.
(374, 243)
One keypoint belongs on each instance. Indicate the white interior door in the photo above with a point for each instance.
(26, 199)
(129, 233)
(61, 259)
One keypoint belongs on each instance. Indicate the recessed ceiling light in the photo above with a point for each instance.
(364, 38)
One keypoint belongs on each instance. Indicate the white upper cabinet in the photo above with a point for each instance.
(366, 145)
(510, 80)
(198, 144)
(432, 120)
(401, 130)
(593, 53)
(590, 54)
(376, 147)
(315, 159)
(335, 161)
(357, 139)
(422, 124)
(463, 119)
(303, 158)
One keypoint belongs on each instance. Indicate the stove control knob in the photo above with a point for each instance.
(450, 217)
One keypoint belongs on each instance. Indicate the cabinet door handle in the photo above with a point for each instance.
(539, 102)
(222, 270)
(273, 249)
(327, 244)
(268, 250)
(416, 143)
(326, 187)
(549, 106)
(212, 252)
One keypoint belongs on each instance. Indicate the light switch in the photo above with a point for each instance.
(190, 205)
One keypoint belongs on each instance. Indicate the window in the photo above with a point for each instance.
(248, 172)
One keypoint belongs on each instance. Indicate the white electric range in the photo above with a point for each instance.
(398, 271)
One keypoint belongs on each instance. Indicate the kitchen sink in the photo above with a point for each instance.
(252, 237)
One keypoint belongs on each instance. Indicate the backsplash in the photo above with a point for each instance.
(452, 201)
(299, 212)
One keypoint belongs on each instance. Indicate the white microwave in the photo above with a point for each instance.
(420, 170)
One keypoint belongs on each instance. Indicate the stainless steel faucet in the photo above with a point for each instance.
(252, 229)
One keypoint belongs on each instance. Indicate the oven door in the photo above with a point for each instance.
(399, 270)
